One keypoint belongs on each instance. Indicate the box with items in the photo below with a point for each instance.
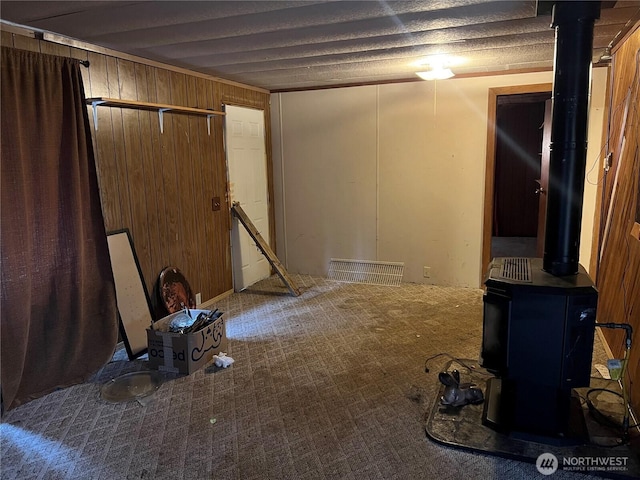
(186, 340)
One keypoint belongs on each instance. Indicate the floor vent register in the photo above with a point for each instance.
(365, 271)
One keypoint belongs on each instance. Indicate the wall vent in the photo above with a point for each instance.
(366, 271)
(518, 269)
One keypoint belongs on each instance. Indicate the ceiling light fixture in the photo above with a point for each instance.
(436, 74)
(438, 67)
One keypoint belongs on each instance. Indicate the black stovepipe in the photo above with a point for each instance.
(573, 22)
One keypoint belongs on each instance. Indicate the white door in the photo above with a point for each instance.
(247, 164)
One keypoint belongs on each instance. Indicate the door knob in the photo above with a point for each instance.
(540, 191)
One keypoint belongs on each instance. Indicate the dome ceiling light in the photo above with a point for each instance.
(439, 67)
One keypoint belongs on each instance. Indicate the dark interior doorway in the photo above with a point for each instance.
(520, 122)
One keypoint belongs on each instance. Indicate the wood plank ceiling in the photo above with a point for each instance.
(287, 45)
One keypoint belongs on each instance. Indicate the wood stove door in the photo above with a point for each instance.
(543, 182)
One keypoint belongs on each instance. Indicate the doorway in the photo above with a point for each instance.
(247, 171)
(514, 190)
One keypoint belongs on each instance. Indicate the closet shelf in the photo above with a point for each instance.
(159, 107)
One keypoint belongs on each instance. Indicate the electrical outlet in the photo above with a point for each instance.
(198, 298)
(426, 272)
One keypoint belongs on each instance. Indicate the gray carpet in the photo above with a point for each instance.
(329, 385)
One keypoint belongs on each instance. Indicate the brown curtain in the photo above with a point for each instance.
(58, 312)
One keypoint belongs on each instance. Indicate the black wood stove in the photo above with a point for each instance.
(539, 314)
(538, 340)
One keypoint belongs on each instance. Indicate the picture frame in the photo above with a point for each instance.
(134, 307)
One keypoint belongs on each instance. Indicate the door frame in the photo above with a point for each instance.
(489, 178)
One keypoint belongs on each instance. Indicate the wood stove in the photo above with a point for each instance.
(538, 340)
(539, 314)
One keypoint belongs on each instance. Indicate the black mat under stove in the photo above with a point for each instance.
(462, 427)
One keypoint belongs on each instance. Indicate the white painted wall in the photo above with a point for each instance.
(394, 172)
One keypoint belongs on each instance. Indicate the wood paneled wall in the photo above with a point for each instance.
(618, 274)
(160, 185)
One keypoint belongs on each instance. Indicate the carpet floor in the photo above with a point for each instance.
(328, 385)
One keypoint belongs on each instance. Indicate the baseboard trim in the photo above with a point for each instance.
(215, 299)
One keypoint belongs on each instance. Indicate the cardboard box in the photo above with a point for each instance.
(185, 352)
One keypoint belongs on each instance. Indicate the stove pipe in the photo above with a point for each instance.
(573, 23)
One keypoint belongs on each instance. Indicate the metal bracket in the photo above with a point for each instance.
(161, 118)
(94, 104)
